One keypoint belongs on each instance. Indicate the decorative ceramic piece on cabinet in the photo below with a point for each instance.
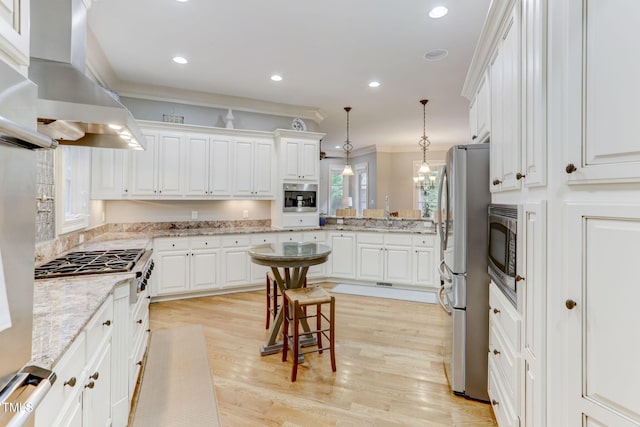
(298, 124)
(229, 119)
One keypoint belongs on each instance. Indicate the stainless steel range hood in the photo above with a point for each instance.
(71, 107)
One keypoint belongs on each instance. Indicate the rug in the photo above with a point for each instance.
(177, 389)
(386, 292)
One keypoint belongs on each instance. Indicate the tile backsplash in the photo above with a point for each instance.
(45, 192)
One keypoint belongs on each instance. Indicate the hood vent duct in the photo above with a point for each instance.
(71, 107)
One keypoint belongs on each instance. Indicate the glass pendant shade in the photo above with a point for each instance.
(347, 171)
(424, 168)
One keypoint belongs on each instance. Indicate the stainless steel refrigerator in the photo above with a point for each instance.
(22, 386)
(463, 200)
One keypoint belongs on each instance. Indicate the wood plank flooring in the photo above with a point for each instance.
(389, 365)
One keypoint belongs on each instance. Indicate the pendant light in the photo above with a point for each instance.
(424, 140)
(347, 148)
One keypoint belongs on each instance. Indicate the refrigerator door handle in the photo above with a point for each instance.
(444, 275)
(12, 397)
(444, 306)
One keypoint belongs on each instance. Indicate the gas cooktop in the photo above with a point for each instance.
(90, 262)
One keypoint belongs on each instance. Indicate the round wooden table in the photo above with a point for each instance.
(294, 258)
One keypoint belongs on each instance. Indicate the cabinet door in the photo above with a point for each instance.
(291, 165)
(342, 258)
(220, 161)
(603, 111)
(309, 160)
(602, 349)
(263, 169)
(143, 167)
(204, 269)
(483, 109)
(14, 33)
(196, 153)
(96, 401)
(235, 264)
(473, 120)
(172, 274)
(398, 264)
(109, 173)
(244, 169)
(425, 267)
(370, 262)
(170, 165)
(497, 134)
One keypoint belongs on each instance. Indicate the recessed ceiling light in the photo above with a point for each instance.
(374, 84)
(337, 146)
(182, 1)
(276, 78)
(436, 54)
(179, 60)
(438, 12)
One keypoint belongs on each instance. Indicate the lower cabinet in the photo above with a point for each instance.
(384, 257)
(425, 259)
(235, 260)
(504, 358)
(342, 260)
(186, 264)
(320, 270)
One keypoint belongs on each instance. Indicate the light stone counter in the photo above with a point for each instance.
(62, 308)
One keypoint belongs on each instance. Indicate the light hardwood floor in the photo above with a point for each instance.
(389, 362)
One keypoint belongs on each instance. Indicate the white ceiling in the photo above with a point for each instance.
(326, 50)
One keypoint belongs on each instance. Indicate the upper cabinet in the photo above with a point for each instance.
(300, 159)
(254, 168)
(157, 171)
(208, 159)
(14, 34)
(480, 111)
(604, 80)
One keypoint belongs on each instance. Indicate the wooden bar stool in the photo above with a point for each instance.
(273, 297)
(296, 300)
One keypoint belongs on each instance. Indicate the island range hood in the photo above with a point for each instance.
(71, 107)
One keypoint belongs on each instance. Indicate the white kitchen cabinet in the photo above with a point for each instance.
(254, 168)
(301, 159)
(504, 358)
(138, 342)
(384, 257)
(258, 272)
(342, 260)
(236, 269)
(426, 255)
(96, 401)
(208, 165)
(109, 173)
(319, 270)
(120, 347)
(14, 34)
(602, 146)
(157, 171)
(186, 264)
(299, 220)
(601, 314)
(505, 107)
(480, 111)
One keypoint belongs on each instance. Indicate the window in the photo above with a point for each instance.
(72, 188)
(337, 184)
(362, 189)
(425, 193)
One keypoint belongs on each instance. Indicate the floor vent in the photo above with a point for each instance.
(384, 284)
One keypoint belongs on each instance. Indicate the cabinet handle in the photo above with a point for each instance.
(571, 168)
(206, 243)
(139, 321)
(173, 245)
(107, 323)
(95, 375)
(139, 363)
(148, 330)
(90, 385)
(497, 182)
(474, 137)
(148, 296)
(71, 382)
(519, 278)
(496, 311)
(571, 304)
(494, 402)
(519, 176)
(126, 190)
(496, 352)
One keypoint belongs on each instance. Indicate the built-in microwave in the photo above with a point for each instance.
(503, 235)
(300, 197)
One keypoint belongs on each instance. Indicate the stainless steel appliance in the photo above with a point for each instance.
(300, 197)
(22, 387)
(503, 225)
(108, 261)
(463, 200)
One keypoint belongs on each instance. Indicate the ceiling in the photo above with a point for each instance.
(326, 51)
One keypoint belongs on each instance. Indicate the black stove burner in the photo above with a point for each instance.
(90, 262)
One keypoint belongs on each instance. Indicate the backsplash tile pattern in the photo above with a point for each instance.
(45, 190)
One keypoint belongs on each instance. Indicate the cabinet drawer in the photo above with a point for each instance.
(371, 238)
(260, 239)
(70, 373)
(300, 220)
(317, 237)
(397, 239)
(503, 403)
(100, 327)
(424, 241)
(290, 237)
(504, 315)
(505, 358)
(236, 241)
(171, 243)
(205, 242)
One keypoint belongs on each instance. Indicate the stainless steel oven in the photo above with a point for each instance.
(503, 235)
(300, 197)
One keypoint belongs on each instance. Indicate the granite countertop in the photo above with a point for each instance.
(62, 308)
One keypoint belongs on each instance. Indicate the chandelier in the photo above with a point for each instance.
(424, 142)
(347, 148)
